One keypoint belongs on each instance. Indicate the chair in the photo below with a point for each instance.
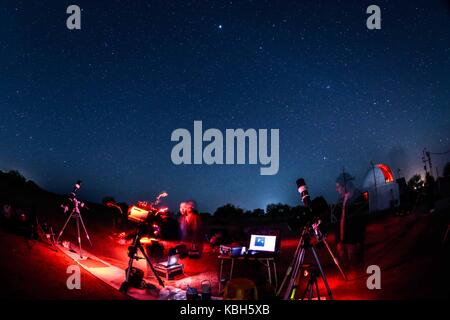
(240, 289)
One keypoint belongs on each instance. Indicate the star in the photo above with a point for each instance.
(220, 26)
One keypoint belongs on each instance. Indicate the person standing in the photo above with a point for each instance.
(350, 232)
(190, 226)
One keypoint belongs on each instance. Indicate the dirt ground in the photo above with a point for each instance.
(31, 270)
(414, 264)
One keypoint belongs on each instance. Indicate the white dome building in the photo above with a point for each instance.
(382, 189)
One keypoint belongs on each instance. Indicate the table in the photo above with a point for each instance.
(266, 261)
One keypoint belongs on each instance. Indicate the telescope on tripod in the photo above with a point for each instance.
(144, 218)
(291, 280)
(75, 214)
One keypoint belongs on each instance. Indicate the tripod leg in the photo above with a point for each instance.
(446, 234)
(65, 225)
(52, 239)
(293, 282)
(131, 253)
(124, 285)
(161, 283)
(306, 290)
(290, 268)
(321, 271)
(85, 231)
(79, 238)
(336, 261)
(286, 276)
(317, 289)
(275, 273)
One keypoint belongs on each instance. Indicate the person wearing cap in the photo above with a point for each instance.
(350, 232)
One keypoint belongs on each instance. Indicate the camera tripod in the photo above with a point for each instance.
(293, 273)
(312, 282)
(132, 254)
(76, 214)
(45, 234)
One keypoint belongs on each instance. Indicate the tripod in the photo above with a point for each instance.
(132, 254)
(293, 272)
(76, 214)
(45, 234)
(312, 282)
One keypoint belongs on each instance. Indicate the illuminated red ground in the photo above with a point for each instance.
(408, 249)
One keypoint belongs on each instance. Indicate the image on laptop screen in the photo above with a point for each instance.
(171, 261)
(262, 243)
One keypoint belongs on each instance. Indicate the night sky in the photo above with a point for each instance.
(99, 104)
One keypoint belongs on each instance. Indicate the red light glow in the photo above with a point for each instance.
(387, 173)
(147, 240)
(366, 195)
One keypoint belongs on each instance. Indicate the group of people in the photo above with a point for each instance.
(350, 229)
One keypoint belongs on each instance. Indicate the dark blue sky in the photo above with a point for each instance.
(99, 104)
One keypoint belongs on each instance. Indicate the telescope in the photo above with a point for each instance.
(144, 212)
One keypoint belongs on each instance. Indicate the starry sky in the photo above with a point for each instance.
(99, 104)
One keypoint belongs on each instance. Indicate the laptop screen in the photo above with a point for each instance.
(262, 243)
(172, 260)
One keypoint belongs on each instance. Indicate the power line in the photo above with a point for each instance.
(440, 153)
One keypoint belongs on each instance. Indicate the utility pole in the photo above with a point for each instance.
(429, 162)
(426, 158)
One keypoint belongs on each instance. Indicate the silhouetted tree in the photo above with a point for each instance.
(415, 182)
(447, 170)
(31, 185)
(16, 176)
(258, 212)
(277, 209)
(229, 212)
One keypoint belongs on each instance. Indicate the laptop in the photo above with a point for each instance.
(171, 261)
(262, 245)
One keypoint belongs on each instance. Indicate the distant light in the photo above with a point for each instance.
(220, 26)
